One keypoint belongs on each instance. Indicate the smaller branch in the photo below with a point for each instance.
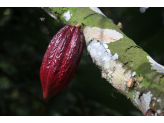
(50, 12)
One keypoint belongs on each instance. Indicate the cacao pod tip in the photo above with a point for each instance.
(46, 96)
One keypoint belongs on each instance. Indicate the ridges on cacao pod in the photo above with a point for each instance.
(60, 60)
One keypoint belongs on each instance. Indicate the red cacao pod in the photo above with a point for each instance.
(61, 60)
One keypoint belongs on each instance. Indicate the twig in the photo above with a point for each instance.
(50, 12)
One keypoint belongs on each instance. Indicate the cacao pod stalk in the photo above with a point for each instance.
(61, 60)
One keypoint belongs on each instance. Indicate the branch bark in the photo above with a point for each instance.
(122, 63)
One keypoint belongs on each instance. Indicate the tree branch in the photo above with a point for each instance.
(122, 63)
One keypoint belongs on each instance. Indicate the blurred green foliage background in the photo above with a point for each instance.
(23, 42)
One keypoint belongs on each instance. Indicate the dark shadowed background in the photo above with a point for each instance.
(23, 42)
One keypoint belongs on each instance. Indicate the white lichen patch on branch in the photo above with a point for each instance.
(134, 73)
(147, 98)
(158, 100)
(103, 35)
(102, 57)
(161, 105)
(155, 66)
(154, 98)
(96, 9)
(67, 15)
(110, 69)
(99, 54)
(115, 56)
(143, 102)
(158, 111)
(105, 45)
